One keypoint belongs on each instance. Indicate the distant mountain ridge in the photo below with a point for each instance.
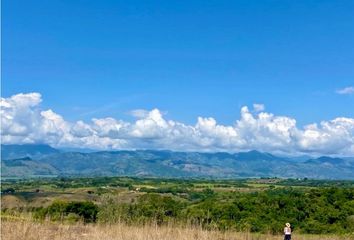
(32, 160)
(26, 150)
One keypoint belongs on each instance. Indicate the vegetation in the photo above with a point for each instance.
(28, 230)
(73, 211)
(245, 205)
(25, 161)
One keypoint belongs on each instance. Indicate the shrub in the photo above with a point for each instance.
(59, 211)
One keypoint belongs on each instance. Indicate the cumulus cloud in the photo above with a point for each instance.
(346, 90)
(23, 121)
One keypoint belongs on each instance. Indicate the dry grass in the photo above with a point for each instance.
(27, 230)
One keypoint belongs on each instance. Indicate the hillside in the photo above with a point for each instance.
(30, 160)
(26, 150)
(234, 205)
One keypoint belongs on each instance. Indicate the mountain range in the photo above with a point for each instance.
(31, 160)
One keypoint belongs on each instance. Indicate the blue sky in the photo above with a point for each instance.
(92, 59)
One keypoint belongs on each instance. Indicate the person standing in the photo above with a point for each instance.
(287, 232)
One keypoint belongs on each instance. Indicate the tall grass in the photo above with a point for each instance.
(29, 230)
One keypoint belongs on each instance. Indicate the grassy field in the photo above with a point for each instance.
(27, 230)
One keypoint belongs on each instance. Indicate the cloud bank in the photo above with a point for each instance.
(23, 121)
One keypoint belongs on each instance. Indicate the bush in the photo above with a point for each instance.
(149, 208)
(60, 211)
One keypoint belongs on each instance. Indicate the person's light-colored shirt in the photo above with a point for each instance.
(287, 231)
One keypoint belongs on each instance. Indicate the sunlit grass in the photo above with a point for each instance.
(22, 228)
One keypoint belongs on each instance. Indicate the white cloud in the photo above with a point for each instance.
(258, 107)
(346, 90)
(23, 121)
(139, 113)
(18, 117)
(81, 129)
